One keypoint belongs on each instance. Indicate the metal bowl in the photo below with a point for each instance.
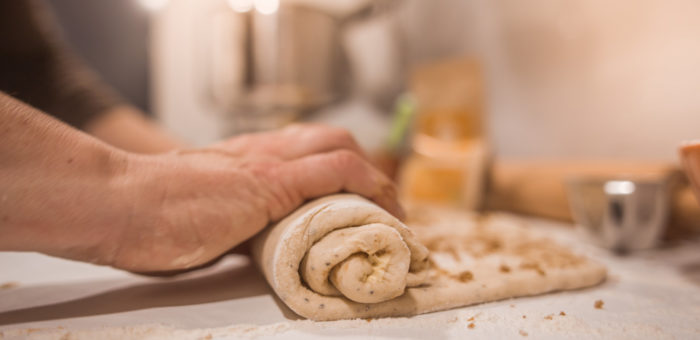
(621, 214)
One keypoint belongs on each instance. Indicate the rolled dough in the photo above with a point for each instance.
(343, 257)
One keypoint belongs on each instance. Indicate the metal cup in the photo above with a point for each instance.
(620, 214)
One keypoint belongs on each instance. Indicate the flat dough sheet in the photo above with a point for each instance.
(343, 257)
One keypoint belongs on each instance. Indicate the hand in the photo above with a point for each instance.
(294, 141)
(67, 194)
(189, 207)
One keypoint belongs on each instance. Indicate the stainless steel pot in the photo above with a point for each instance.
(264, 70)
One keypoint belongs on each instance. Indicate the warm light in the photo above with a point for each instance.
(240, 6)
(153, 5)
(619, 187)
(267, 6)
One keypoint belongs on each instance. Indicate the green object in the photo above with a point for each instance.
(404, 111)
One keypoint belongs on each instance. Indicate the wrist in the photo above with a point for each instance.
(60, 188)
(95, 206)
(68, 203)
(124, 184)
(139, 184)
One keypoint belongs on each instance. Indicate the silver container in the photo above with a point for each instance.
(264, 70)
(621, 214)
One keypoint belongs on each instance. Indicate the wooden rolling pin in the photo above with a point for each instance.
(537, 188)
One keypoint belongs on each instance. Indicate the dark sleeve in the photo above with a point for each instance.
(37, 67)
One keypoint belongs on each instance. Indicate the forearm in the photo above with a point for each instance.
(67, 194)
(55, 182)
(127, 128)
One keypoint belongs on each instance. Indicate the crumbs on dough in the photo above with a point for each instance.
(599, 304)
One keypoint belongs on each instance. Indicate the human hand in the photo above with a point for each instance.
(188, 207)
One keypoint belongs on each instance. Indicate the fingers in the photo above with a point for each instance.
(321, 160)
(339, 171)
(294, 141)
(316, 138)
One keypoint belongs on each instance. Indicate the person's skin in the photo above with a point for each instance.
(129, 129)
(68, 194)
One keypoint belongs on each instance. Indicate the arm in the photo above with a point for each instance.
(67, 194)
(51, 177)
(129, 129)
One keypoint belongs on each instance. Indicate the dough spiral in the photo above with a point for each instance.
(340, 254)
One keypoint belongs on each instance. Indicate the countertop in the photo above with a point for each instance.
(648, 295)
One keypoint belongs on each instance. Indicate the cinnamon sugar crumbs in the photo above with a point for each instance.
(504, 269)
(465, 276)
(368, 319)
(548, 317)
(476, 245)
(483, 244)
(471, 319)
(471, 325)
(533, 266)
(524, 316)
(547, 253)
(562, 313)
(522, 332)
(599, 304)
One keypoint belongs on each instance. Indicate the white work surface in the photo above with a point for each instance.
(650, 295)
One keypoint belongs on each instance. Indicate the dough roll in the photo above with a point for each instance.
(340, 257)
(343, 257)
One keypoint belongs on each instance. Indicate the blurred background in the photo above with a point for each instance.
(113, 38)
(564, 79)
(529, 107)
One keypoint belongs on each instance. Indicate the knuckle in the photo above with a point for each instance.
(266, 170)
(348, 160)
(308, 131)
(345, 137)
(272, 188)
(329, 130)
(339, 136)
(321, 133)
